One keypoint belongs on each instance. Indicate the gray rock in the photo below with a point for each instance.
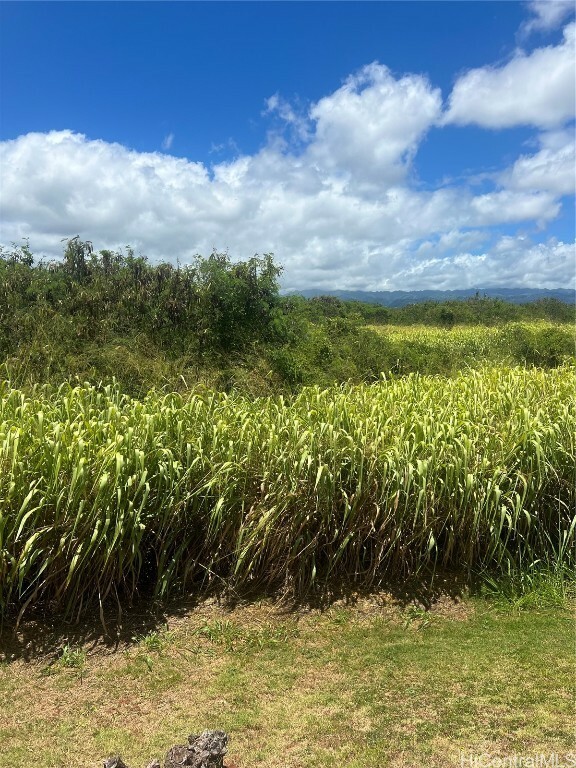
(204, 751)
(115, 762)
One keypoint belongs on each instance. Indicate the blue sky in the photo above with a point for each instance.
(375, 145)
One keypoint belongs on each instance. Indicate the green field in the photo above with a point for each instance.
(447, 351)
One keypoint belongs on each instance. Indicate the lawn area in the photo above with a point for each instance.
(379, 682)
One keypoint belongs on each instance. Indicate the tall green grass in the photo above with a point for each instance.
(102, 495)
(439, 350)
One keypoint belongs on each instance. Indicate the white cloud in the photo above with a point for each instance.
(338, 211)
(371, 126)
(324, 231)
(298, 122)
(537, 89)
(508, 206)
(452, 241)
(547, 15)
(168, 141)
(512, 261)
(552, 169)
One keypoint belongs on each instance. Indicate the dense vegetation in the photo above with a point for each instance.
(106, 495)
(156, 436)
(94, 316)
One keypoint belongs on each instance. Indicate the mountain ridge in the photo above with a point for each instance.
(403, 298)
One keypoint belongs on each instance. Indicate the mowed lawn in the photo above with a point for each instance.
(377, 683)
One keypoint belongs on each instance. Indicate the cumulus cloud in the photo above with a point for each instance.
(546, 15)
(512, 260)
(507, 206)
(371, 126)
(338, 208)
(536, 89)
(552, 169)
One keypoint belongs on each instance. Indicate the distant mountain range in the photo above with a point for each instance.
(402, 298)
